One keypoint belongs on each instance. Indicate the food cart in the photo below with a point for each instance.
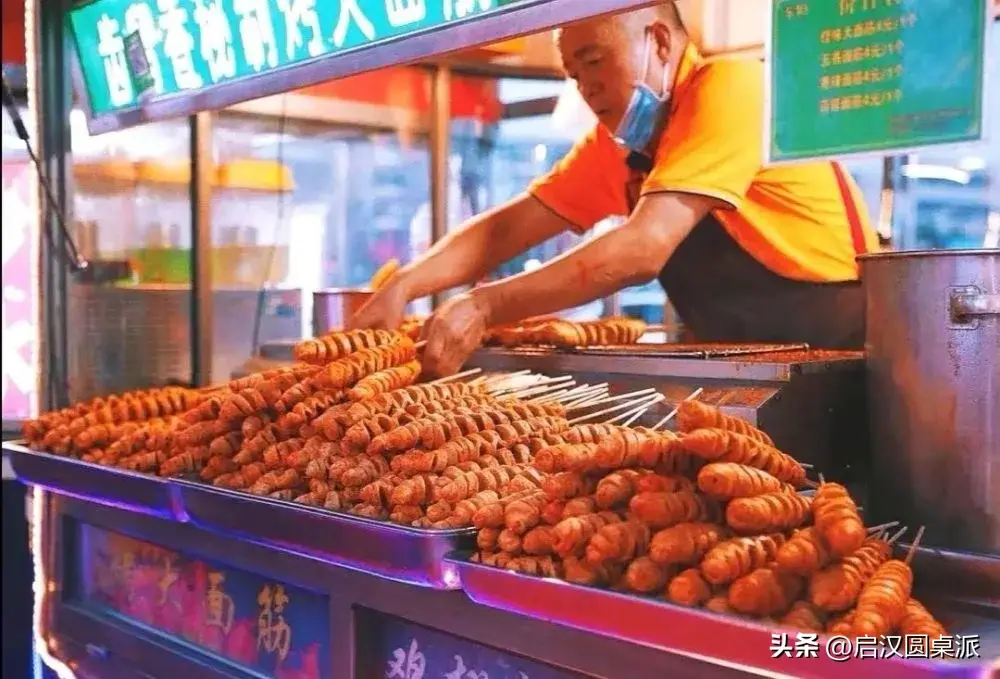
(144, 576)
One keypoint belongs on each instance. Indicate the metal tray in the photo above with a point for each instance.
(405, 554)
(703, 351)
(715, 638)
(108, 486)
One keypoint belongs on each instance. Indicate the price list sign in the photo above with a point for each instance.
(864, 76)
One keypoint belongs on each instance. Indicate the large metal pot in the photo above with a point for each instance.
(933, 341)
(334, 307)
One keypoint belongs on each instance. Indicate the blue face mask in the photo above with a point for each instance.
(645, 109)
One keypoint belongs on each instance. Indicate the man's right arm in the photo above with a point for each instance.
(479, 246)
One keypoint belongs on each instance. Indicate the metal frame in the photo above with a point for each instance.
(50, 91)
(351, 593)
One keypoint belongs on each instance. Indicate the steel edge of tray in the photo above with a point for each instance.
(401, 553)
(552, 362)
(679, 630)
(108, 486)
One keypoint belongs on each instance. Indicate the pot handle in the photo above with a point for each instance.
(968, 306)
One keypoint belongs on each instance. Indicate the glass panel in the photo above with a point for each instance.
(349, 191)
(950, 196)
(494, 163)
(271, 627)
(132, 201)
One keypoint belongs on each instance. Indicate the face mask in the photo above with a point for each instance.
(645, 109)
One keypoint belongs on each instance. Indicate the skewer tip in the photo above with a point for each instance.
(913, 545)
(898, 534)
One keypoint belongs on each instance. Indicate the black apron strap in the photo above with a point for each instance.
(723, 294)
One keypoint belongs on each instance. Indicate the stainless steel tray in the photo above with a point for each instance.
(715, 638)
(108, 486)
(405, 554)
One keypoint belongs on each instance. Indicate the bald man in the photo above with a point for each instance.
(746, 253)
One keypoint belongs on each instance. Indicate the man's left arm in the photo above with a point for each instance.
(628, 255)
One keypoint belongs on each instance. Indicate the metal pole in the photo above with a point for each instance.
(887, 198)
(440, 143)
(202, 327)
(49, 94)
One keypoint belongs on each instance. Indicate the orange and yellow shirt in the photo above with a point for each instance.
(790, 218)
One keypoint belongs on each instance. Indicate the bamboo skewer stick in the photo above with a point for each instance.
(881, 528)
(538, 390)
(457, 376)
(620, 397)
(632, 413)
(575, 392)
(504, 377)
(673, 413)
(588, 397)
(898, 535)
(558, 397)
(640, 411)
(613, 409)
(913, 546)
(562, 381)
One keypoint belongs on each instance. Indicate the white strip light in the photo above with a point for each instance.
(42, 587)
(940, 172)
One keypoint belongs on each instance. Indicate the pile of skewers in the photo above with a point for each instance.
(713, 517)
(552, 332)
(568, 334)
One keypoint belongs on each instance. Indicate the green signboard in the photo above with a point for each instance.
(861, 76)
(191, 45)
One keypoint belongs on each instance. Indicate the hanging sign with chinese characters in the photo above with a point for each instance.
(193, 44)
(271, 627)
(403, 650)
(864, 76)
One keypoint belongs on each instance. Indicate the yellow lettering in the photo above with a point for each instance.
(838, 35)
(847, 7)
(170, 576)
(274, 635)
(825, 36)
(219, 607)
(824, 82)
(824, 106)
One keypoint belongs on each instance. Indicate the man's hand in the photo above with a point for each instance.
(384, 310)
(454, 331)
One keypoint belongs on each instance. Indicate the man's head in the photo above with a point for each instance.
(605, 56)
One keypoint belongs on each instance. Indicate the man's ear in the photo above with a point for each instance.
(662, 40)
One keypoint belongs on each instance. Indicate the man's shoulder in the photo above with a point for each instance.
(738, 74)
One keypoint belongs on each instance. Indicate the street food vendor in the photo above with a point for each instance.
(746, 253)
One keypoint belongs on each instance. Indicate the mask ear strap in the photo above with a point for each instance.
(646, 48)
(665, 85)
